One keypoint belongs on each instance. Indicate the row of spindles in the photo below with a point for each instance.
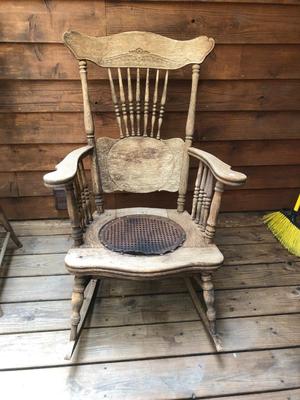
(82, 195)
(202, 196)
(128, 107)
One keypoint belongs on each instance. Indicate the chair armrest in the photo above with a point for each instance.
(221, 171)
(67, 168)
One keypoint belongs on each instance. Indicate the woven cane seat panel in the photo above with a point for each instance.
(142, 235)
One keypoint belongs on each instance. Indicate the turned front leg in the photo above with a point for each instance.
(77, 301)
(209, 298)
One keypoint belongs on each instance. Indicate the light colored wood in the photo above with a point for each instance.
(102, 262)
(270, 370)
(146, 103)
(130, 102)
(123, 102)
(154, 103)
(142, 165)
(115, 102)
(291, 394)
(220, 170)
(196, 191)
(67, 169)
(159, 164)
(138, 102)
(210, 227)
(162, 104)
(138, 49)
(204, 174)
(147, 341)
(75, 215)
(207, 323)
(48, 308)
(78, 318)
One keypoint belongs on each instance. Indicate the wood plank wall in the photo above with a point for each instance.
(249, 97)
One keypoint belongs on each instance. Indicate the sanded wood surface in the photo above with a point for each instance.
(141, 332)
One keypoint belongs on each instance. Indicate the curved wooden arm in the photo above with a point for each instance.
(67, 168)
(221, 171)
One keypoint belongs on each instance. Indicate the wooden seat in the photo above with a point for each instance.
(139, 66)
(94, 258)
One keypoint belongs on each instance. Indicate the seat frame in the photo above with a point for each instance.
(140, 134)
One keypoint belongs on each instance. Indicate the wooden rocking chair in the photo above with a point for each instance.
(141, 243)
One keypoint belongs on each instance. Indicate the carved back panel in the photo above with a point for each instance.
(138, 65)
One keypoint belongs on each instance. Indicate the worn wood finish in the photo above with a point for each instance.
(259, 97)
(140, 165)
(138, 50)
(216, 95)
(136, 374)
(159, 164)
(239, 23)
(39, 62)
(148, 327)
(146, 341)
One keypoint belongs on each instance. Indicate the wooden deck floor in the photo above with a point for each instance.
(144, 340)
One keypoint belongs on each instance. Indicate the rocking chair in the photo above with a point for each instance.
(141, 243)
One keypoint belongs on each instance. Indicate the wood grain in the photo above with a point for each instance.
(239, 23)
(47, 21)
(246, 153)
(60, 127)
(65, 96)
(42, 61)
(270, 369)
(159, 340)
(19, 208)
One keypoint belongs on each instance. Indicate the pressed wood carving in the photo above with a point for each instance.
(139, 65)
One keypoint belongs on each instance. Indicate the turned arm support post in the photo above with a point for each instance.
(211, 224)
(205, 210)
(69, 175)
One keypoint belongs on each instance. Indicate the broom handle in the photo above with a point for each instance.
(297, 205)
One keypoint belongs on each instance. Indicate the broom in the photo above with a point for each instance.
(284, 226)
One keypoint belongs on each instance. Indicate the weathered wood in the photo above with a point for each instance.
(229, 303)
(137, 342)
(47, 23)
(138, 50)
(123, 102)
(159, 164)
(291, 394)
(162, 104)
(237, 95)
(244, 200)
(60, 127)
(62, 227)
(197, 375)
(31, 184)
(256, 24)
(225, 237)
(40, 61)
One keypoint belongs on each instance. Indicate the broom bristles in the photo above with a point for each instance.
(284, 230)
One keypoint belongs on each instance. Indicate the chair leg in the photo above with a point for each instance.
(4, 221)
(209, 298)
(83, 293)
(77, 301)
(207, 316)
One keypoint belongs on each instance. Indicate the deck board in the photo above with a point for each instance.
(161, 379)
(144, 340)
